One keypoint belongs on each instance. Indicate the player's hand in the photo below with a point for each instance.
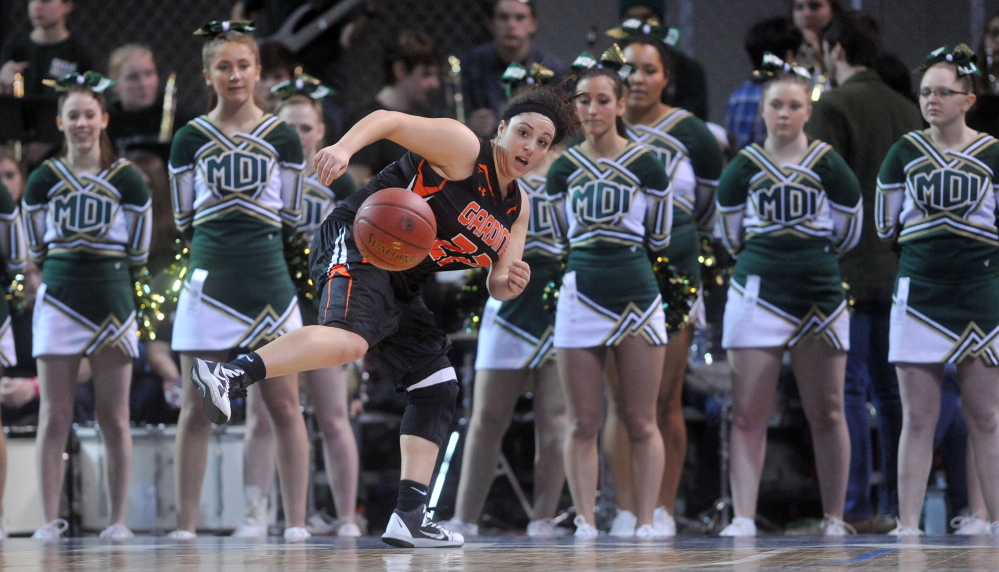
(518, 275)
(331, 162)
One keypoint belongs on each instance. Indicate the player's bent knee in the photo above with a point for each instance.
(356, 347)
(342, 346)
(430, 411)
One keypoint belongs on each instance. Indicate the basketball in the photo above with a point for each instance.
(394, 229)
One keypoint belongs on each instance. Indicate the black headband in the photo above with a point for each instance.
(534, 107)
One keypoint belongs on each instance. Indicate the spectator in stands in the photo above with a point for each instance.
(412, 72)
(513, 25)
(284, 19)
(47, 52)
(277, 64)
(811, 17)
(137, 112)
(742, 118)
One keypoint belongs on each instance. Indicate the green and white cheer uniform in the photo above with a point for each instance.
(611, 212)
(13, 250)
(693, 161)
(87, 233)
(520, 333)
(941, 206)
(235, 197)
(785, 224)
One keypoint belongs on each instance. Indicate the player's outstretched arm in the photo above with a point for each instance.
(450, 147)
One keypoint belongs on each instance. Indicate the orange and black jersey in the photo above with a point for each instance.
(473, 216)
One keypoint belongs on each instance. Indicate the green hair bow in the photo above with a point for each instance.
(305, 84)
(961, 56)
(772, 66)
(216, 27)
(91, 80)
(652, 27)
(612, 59)
(517, 75)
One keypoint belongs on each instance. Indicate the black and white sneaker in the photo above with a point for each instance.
(414, 529)
(216, 381)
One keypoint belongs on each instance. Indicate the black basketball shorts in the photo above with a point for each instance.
(358, 297)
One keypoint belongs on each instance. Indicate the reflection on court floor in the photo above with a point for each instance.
(504, 553)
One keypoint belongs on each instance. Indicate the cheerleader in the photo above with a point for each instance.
(785, 210)
(13, 252)
(693, 161)
(298, 105)
(88, 220)
(235, 176)
(612, 203)
(937, 197)
(514, 355)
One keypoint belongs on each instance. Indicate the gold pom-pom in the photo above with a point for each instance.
(148, 311)
(679, 293)
(296, 255)
(471, 299)
(15, 294)
(715, 262)
(156, 296)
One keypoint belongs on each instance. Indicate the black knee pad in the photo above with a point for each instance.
(430, 412)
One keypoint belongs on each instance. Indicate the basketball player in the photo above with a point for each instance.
(482, 218)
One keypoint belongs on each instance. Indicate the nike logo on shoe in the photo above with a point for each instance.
(223, 373)
(435, 531)
(436, 536)
(226, 372)
(417, 530)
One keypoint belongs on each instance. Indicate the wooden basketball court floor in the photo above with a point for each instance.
(224, 554)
